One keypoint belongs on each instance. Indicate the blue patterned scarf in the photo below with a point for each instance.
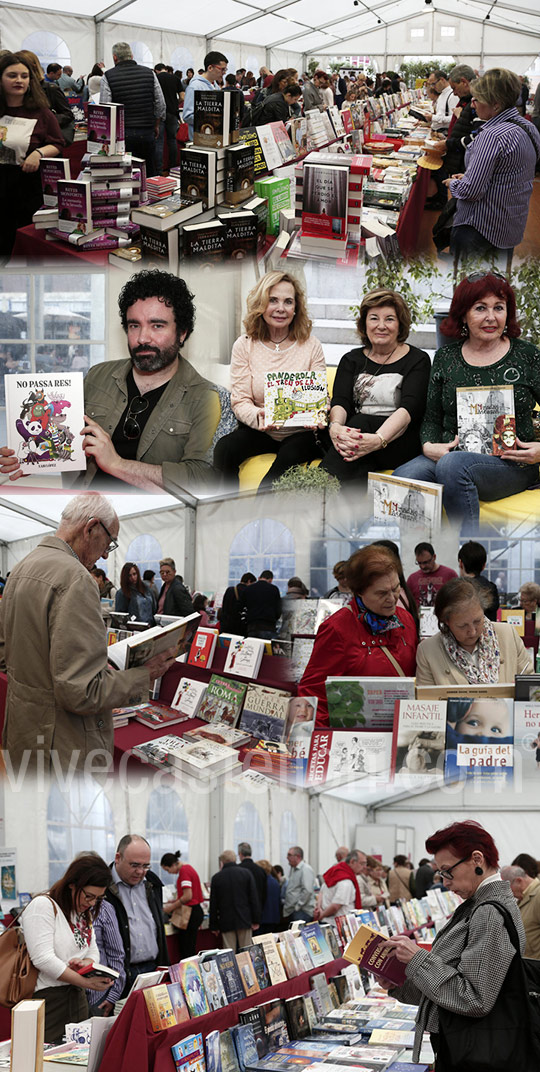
(376, 623)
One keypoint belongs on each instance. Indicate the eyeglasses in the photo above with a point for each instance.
(113, 544)
(475, 277)
(447, 873)
(138, 867)
(131, 427)
(92, 898)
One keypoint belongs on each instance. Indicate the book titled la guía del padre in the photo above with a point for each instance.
(45, 416)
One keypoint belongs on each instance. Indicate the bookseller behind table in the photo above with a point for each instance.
(484, 350)
(59, 935)
(371, 636)
(466, 968)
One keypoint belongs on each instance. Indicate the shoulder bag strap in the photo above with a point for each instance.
(526, 130)
(388, 654)
(510, 925)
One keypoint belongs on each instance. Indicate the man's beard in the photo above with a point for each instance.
(152, 358)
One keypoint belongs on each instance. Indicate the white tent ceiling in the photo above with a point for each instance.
(482, 27)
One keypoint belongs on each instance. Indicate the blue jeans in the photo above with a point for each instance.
(467, 478)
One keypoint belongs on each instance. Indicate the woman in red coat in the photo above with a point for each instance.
(370, 637)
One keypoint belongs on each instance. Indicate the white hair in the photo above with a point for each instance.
(81, 508)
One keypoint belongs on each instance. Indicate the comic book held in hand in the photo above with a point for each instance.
(138, 649)
(368, 949)
(296, 399)
(44, 417)
(486, 419)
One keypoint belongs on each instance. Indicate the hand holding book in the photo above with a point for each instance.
(9, 464)
(435, 451)
(403, 948)
(523, 452)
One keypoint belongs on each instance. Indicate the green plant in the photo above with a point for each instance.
(312, 66)
(306, 481)
(400, 276)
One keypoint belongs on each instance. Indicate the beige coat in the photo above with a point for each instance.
(435, 667)
(53, 647)
(529, 906)
(399, 884)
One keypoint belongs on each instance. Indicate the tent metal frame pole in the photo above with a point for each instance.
(112, 10)
(313, 847)
(190, 534)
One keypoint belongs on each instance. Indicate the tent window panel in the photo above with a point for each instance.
(288, 835)
(146, 551)
(181, 59)
(49, 48)
(448, 31)
(166, 827)
(141, 53)
(248, 827)
(264, 544)
(78, 819)
(417, 31)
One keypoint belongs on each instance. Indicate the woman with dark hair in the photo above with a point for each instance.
(190, 896)
(527, 863)
(406, 598)
(400, 880)
(271, 909)
(200, 603)
(59, 935)
(485, 351)
(29, 132)
(278, 339)
(56, 100)
(94, 79)
(467, 965)
(134, 596)
(469, 649)
(370, 637)
(379, 394)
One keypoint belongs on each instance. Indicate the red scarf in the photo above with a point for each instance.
(338, 873)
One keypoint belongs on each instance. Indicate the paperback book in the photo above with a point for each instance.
(44, 417)
(336, 754)
(106, 135)
(239, 173)
(52, 170)
(365, 703)
(486, 419)
(191, 981)
(223, 700)
(213, 986)
(369, 950)
(216, 119)
(139, 648)
(203, 647)
(296, 399)
(479, 740)
(155, 715)
(415, 504)
(418, 738)
(244, 655)
(265, 713)
(527, 738)
(74, 207)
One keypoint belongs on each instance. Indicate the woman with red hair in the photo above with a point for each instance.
(485, 352)
(465, 970)
(371, 636)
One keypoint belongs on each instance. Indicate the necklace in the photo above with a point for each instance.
(382, 363)
(277, 345)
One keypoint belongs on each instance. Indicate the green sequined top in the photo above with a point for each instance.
(519, 368)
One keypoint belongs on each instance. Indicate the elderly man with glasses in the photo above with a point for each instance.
(136, 896)
(53, 646)
(148, 417)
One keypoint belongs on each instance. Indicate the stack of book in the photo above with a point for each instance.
(160, 186)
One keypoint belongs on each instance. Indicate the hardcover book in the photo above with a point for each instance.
(203, 758)
(339, 754)
(241, 230)
(415, 504)
(155, 715)
(486, 419)
(189, 696)
(160, 248)
(325, 193)
(223, 700)
(106, 136)
(203, 647)
(188, 1054)
(364, 702)
(239, 173)
(52, 170)
(244, 655)
(296, 399)
(216, 119)
(198, 174)
(265, 713)
(191, 981)
(418, 737)
(74, 207)
(259, 206)
(44, 416)
(218, 732)
(205, 241)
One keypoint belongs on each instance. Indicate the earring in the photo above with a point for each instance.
(464, 331)
(505, 330)
(479, 871)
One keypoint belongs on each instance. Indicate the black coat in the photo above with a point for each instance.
(234, 902)
(178, 600)
(262, 602)
(259, 875)
(275, 108)
(154, 897)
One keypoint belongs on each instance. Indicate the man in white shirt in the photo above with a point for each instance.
(446, 102)
(340, 892)
(215, 67)
(299, 900)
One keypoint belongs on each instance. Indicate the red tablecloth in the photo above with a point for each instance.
(32, 247)
(409, 220)
(132, 1046)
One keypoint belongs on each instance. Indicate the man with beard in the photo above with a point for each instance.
(148, 420)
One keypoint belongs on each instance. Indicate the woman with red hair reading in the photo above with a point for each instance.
(486, 352)
(466, 968)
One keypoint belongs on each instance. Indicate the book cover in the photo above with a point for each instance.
(277, 192)
(282, 141)
(178, 1002)
(269, 146)
(297, 1019)
(230, 975)
(137, 649)
(192, 984)
(246, 1047)
(155, 715)
(265, 712)
(214, 989)
(239, 173)
(167, 213)
(275, 1024)
(189, 696)
(527, 738)
(157, 751)
(338, 754)
(216, 118)
(254, 1018)
(205, 241)
(364, 702)
(188, 1054)
(160, 248)
(52, 170)
(229, 1060)
(44, 416)
(198, 174)
(479, 740)
(368, 949)
(250, 136)
(159, 1007)
(204, 757)
(316, 944)
(486, 419)
(213, 1052)
(241, 231)
(259, 206)
(247, 974)
(415, 504)
(105, 129)
(324, 195)
(27, 1035)
(273, 959)
(218, 732)
(296, 399)
(260, 966)
(244, 656)
(74, 207)
(223, 700)
(418, 737)
(203, 647)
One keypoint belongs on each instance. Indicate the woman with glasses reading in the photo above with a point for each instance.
(465, 969)
(59, 934)
(491, 371)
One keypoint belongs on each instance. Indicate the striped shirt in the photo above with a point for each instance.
(494, 193)
(111, 953)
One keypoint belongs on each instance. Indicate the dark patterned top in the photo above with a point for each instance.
(519, 368)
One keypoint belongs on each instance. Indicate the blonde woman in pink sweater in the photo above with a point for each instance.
(278, 338)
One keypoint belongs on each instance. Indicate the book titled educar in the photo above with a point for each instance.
(368, 949)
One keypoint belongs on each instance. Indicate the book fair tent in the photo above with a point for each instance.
(483, 33)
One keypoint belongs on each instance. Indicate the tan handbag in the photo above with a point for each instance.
(181, 917)
(18, 976)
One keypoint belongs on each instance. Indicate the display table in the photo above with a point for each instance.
(132, 1046)
(32, 247)
(409, 219)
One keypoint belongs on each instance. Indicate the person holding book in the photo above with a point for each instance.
(134, 597)
(379, 395)
(470, 957)
(370, 636)
(215, 67)
(469, 649)
(136, 895)
(278, 339)
(484, 350)
(278, 106)
(58, 929)
(189, 902)
(29, 132)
